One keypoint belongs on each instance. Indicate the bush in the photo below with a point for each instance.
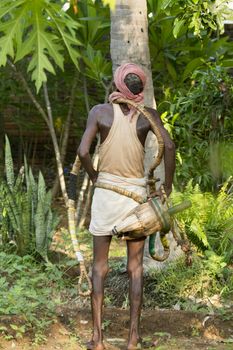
(200, 121)
(27, 220)
(209, 222)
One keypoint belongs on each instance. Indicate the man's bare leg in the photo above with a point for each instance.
(99, 271)
(135, 250)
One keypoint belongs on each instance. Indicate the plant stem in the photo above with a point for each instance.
(55, 144)
(65, 134)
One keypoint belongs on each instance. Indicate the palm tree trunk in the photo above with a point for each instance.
(129, 43)
(129, 39)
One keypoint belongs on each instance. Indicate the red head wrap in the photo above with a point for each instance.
(119, 76)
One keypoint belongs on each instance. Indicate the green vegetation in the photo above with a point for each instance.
(190, 288)
(200, 120)
(209, 222)
(55, 65)
(31, 293)
(27, 220)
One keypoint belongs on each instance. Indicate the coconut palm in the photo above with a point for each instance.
(129, 43)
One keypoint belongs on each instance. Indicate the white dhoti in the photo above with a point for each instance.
(108, 207)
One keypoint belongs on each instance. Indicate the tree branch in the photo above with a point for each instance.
(64, 139)
(21, 78)
(55, 145)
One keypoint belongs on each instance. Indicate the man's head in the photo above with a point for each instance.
(130, 80)
(134, 83)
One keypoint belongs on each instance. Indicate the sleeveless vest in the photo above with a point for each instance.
(122, 153)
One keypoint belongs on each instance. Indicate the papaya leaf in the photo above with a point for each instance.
(41, 30)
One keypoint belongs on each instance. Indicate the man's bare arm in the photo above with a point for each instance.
(169, 153)
(87, 139)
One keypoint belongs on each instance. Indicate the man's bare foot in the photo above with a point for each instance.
(91, 345)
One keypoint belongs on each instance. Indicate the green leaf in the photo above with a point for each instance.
(165, 4)
(171, 70)
(191, 66)
(66, 28)
(9, 167)
(111, 3)
(97, 66)
(12, 30)
(39, 29)
(41, 188)
(40, 228)
(178, 26)
(227, 63)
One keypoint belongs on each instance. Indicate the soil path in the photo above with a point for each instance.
(160, 330)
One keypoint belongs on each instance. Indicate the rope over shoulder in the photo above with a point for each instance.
(141, 108)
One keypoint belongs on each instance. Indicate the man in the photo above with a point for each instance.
(122, 135)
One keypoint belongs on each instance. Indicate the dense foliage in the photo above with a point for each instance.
(31, 293)
(27, 221)
(187, 288)
(200, 121)
(209, 222)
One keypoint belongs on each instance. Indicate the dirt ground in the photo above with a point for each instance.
(160, 330)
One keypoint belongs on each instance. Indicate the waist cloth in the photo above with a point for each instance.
(109, 208)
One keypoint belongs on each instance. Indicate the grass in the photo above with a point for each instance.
(32, 292)
(189, 288)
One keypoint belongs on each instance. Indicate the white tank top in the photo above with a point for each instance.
(122, 153)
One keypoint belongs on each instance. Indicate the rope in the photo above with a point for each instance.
(158, 158)
(136, 197)
(84, 288)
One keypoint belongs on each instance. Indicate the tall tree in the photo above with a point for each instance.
(129, 43)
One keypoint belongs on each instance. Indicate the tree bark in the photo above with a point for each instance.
(129, 43)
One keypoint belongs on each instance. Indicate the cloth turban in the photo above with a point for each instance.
(119, 77)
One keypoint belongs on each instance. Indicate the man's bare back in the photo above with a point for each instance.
(100, 120)
(104, 118)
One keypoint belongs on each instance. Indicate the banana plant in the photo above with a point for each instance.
(25, 209)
